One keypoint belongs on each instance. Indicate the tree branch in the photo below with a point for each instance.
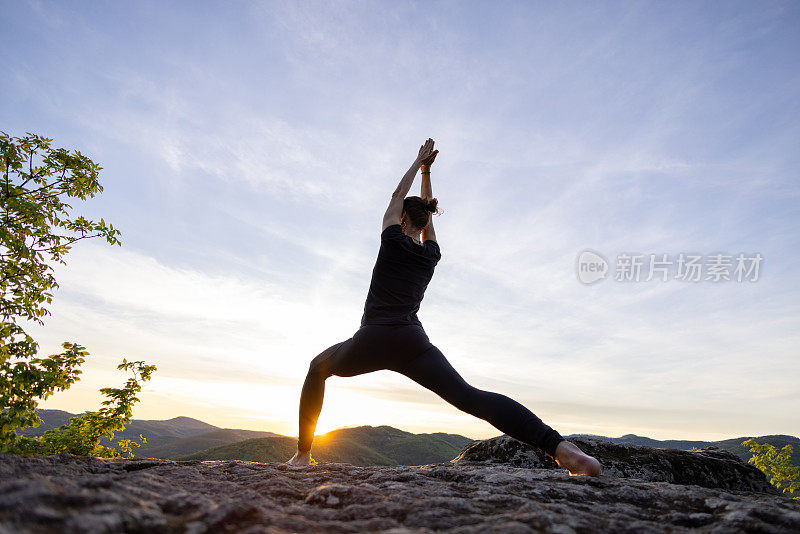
(60, 180)
(65, 244)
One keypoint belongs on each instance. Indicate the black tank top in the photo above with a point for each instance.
(399, 279)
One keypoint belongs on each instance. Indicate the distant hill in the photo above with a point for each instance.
(363, 445)
(456, 440)
(159, 433)
(171, 437)
(187, 438)
(50, 419)
(199, 442)
(778, 440)
(733, 445)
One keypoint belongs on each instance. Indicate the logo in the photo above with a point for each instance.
(591, 267)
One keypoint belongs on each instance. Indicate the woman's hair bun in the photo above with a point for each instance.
(419, 210)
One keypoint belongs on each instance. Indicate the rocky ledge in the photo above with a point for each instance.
(497, 485)
(710, 467)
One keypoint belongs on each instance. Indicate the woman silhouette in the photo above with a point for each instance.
(391, 336)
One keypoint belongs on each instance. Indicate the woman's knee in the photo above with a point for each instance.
(318, 368)
(322, 364)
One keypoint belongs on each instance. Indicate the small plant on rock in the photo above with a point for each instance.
(776, 465)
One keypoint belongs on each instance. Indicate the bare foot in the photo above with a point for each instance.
(574, 460)
(300, 459)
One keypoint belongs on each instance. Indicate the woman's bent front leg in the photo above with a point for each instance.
(352, 357)
(312, 396)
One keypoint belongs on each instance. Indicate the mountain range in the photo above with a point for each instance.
(185, 438)
(165, 439)
(362, 446)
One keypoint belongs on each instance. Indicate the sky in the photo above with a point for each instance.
(249, 151)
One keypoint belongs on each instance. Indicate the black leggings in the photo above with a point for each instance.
(406, 349)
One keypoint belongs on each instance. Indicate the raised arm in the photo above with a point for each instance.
(425, 192)
(395, 209)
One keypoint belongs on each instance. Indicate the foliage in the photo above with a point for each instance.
(776, 465)
(38, 227)
(37, 231)
(83, 433)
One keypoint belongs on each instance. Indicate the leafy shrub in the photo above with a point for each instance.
(38, 229)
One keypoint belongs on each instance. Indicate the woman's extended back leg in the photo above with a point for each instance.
(432, 371)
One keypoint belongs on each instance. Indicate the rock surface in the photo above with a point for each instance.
(70, 494)
(710, 467)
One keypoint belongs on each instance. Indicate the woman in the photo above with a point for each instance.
(391, 336)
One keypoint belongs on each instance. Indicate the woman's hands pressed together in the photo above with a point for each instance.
(426, 153)
(394, 211)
